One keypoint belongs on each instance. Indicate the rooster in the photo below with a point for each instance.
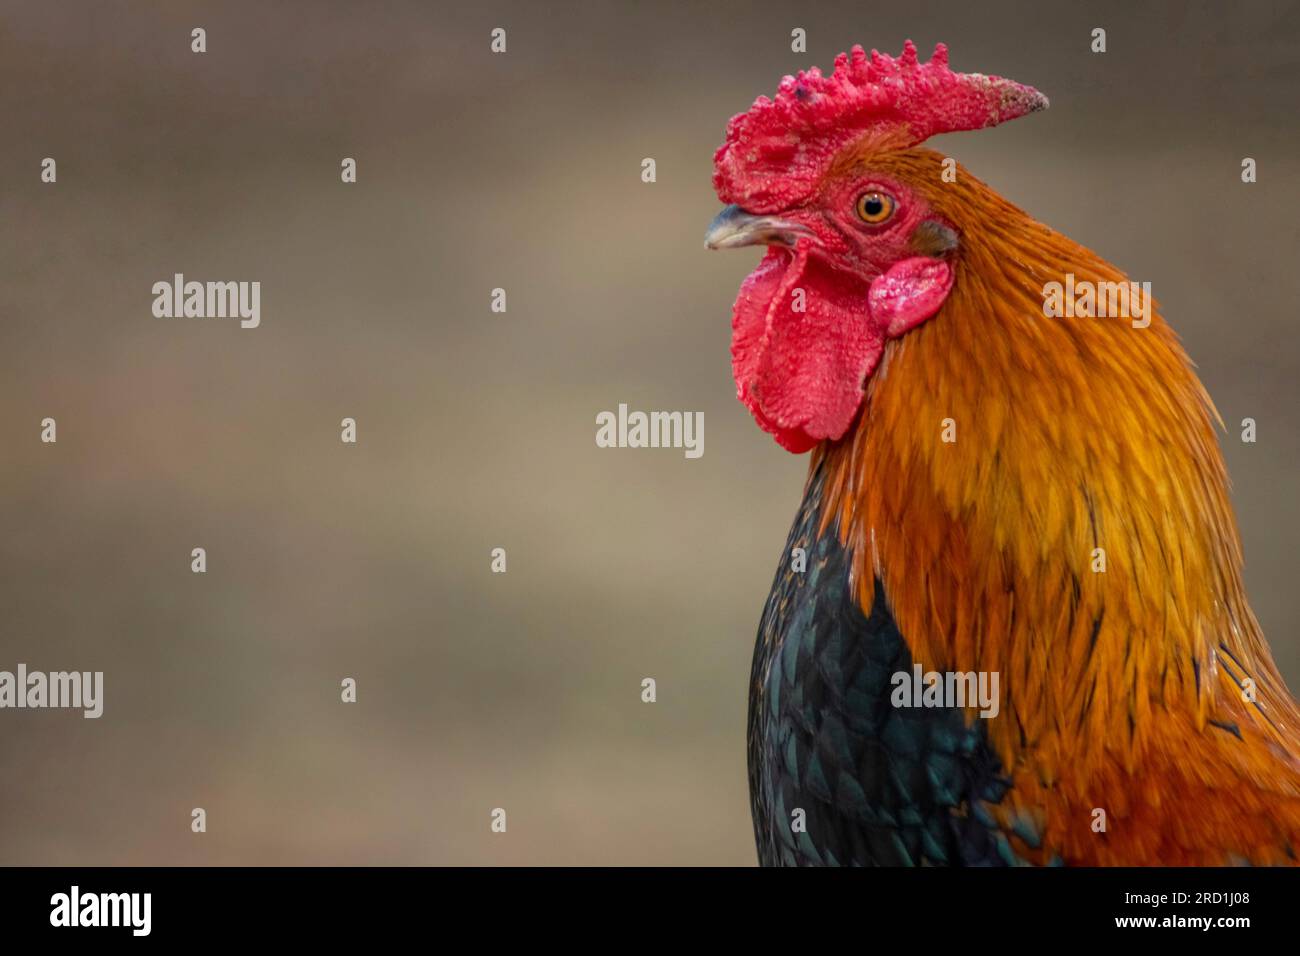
(992, 491)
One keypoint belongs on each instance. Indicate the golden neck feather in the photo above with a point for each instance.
(1077, 441)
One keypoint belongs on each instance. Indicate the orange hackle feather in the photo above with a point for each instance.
(1146, 690)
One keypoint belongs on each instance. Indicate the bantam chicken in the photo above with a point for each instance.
(994, 492)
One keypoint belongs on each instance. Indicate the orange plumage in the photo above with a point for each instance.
(1122, 688)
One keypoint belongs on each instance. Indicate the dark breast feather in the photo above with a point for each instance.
(878, 785)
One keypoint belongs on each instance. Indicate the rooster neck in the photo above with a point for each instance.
(1045, 498)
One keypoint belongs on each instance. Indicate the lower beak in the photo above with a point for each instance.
(733, 228)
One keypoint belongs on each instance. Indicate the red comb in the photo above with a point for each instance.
(775, 153)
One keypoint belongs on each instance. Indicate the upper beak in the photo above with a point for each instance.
(733, 228)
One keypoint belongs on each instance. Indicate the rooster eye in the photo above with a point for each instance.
(875, 207)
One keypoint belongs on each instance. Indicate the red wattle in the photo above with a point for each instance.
(800, 373)
(806, 336)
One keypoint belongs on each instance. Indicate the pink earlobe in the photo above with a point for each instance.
(908, 294)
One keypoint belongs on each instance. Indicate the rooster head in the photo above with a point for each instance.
(857, 254)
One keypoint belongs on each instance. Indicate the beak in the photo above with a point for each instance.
(733, 228)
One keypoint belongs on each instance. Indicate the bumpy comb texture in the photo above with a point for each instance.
(775, 153)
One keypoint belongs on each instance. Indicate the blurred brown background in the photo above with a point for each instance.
(477, 430)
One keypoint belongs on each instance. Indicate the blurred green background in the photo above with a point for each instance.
(477, 430)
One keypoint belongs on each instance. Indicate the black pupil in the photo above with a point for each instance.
(873, 205)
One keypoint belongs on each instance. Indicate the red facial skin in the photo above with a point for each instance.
(802, 374)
